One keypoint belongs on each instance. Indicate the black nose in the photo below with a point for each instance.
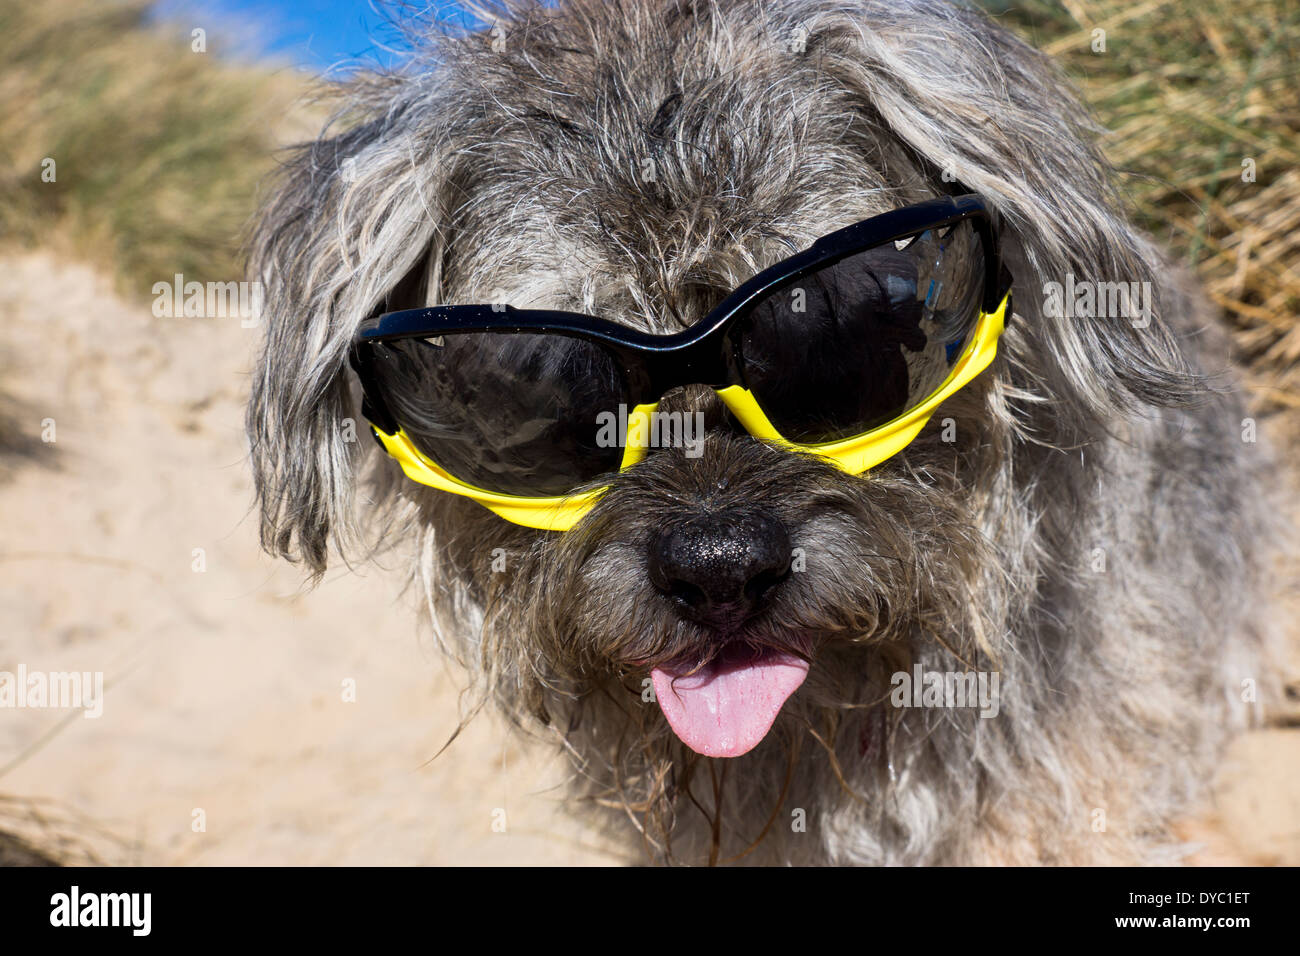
(720, 568)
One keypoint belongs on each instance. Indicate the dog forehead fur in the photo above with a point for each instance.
(639, 158)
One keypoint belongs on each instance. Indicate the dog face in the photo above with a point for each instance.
(637, 160)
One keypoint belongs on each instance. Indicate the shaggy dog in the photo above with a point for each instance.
(1083, 528)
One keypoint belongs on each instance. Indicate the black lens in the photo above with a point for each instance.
(512, 413)
(862, 341)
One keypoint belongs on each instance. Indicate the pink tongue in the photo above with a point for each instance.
(725, 708)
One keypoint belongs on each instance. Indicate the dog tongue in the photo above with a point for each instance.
(726, 707)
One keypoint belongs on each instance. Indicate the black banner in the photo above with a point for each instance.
(950, 906)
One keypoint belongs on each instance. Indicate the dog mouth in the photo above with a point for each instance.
(726, 707)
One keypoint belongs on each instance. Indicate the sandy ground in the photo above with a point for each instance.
(224, 686)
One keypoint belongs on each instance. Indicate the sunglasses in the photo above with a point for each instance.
(843, 351)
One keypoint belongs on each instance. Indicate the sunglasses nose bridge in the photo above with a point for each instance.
(661, 379)
(687, 412)
(707, 362)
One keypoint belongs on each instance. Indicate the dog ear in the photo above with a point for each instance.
(978, 107)
(352, 215)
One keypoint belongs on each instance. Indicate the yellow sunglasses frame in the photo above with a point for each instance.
(853, 455)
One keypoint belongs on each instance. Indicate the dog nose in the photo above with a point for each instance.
(719, 568)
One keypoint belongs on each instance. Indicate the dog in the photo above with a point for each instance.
(1023, 636)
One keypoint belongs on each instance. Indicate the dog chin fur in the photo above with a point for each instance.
(1095, 531)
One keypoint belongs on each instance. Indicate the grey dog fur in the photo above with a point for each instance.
(512, 166)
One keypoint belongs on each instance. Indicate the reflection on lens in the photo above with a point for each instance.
(859, 343)
(514, 414)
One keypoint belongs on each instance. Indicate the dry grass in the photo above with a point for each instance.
(39, 832)
(159, 150)
(1189, 90)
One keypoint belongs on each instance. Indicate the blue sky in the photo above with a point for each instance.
(316, 34)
